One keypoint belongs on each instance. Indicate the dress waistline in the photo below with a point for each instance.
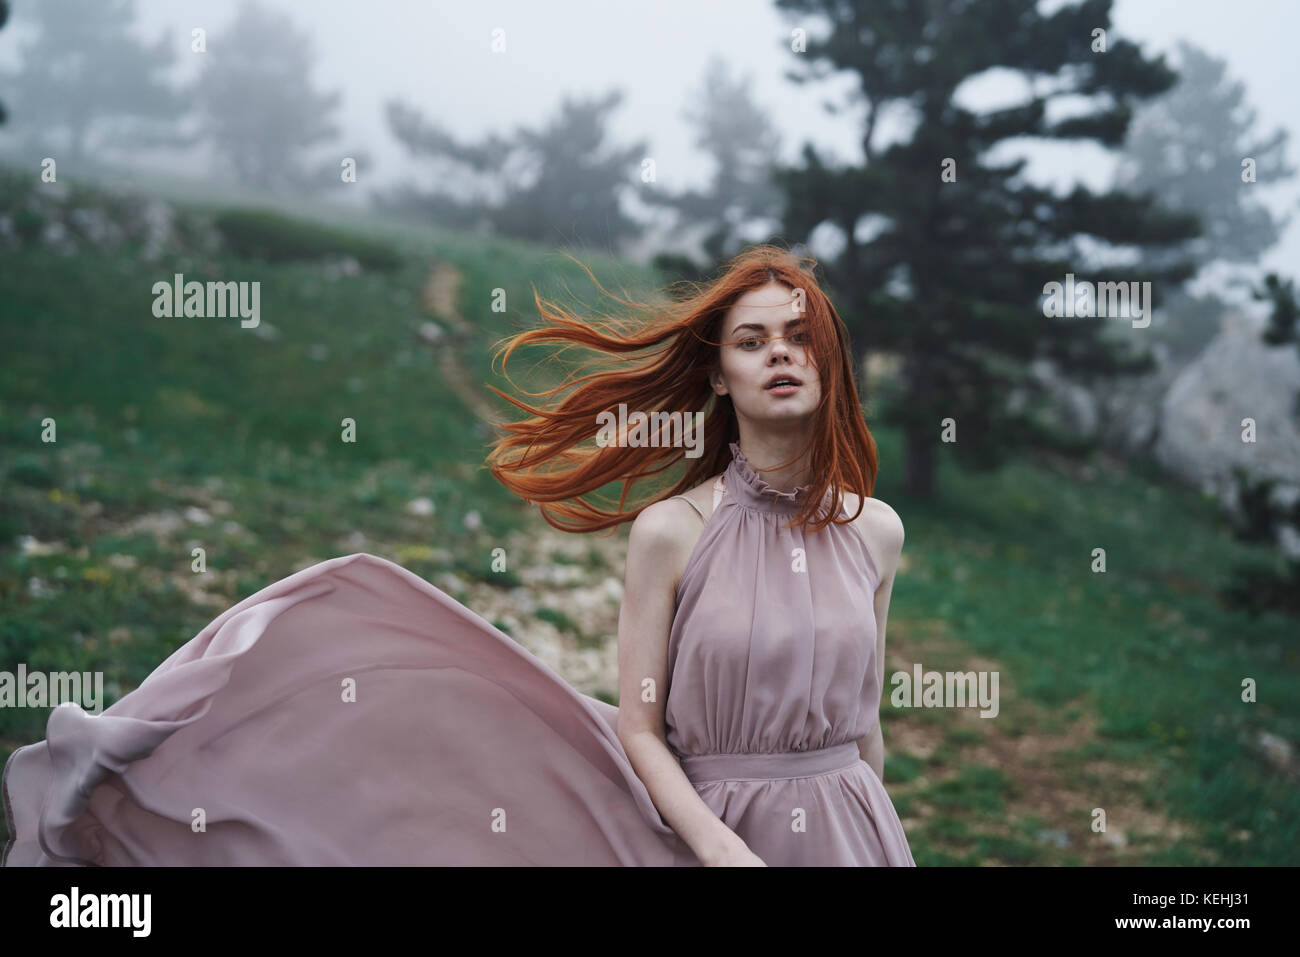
(769, 765)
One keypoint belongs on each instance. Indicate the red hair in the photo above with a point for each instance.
(662, 365)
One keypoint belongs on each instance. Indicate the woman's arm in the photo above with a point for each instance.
(654, 553)
(883, 531)
(871, 747)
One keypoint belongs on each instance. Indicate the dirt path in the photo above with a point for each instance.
(441, 299)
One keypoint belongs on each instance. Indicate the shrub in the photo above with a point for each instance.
(259, 234)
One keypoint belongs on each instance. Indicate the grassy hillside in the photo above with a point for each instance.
(1121, 691)
(176, 432)
(1125, 686)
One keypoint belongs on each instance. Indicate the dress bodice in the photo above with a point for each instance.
(773, 643)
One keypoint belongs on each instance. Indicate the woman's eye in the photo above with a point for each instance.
(801, 338)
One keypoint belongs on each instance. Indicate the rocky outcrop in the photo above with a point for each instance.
(1233, 408)
(1194, 416)
(1206, 414)
(67, 219)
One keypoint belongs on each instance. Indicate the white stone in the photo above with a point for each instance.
(197, 515)
(420, 506)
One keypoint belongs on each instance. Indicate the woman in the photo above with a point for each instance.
(352, 713)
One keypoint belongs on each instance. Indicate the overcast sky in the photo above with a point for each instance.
(436, 55)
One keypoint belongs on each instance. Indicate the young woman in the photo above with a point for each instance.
(352, 713)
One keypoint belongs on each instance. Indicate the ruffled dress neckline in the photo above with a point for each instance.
(749, 488)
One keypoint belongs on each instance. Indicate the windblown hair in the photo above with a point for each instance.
(661, 365)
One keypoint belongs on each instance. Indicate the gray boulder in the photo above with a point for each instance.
(1236, 378)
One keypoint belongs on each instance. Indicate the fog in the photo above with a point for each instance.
(437, 56)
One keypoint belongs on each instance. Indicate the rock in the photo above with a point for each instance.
(450, 583)
(95, 226)
(1288, 541)
(197, 515)
(556, 575)
(1284, 496)
(420, 506)
(155, 523)
(585, 599)
(1129, 406)
(31, 546)
(157, 218)
(1057, 836)
(55, 235)
(1122, 412)
(523, 600)
(1277, 751)
(347, 266)
(1073, 405)
(1235, 378)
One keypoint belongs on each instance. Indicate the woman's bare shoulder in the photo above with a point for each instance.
(701, 495)
(881, 527)
(670, 523)
(667, 530)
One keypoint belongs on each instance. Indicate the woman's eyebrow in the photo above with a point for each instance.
(761, 328)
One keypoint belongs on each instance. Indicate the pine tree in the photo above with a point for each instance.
(257, 106)
(4, 18)
(570, 186)
(743, 143)
(1189, 146)
(85, 85)
(1282, 320)
(1197, 147)
(961, 246)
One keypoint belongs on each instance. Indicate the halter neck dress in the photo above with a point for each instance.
(354, 714)
(772, 665)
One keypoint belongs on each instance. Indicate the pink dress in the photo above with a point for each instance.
(354, 714)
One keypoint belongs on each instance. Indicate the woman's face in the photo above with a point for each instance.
(763, 338)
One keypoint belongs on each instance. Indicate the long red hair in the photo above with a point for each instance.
(662, 365)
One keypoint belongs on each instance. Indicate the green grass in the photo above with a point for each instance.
(1005, 561)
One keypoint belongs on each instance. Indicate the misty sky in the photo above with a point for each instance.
(436, 55)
